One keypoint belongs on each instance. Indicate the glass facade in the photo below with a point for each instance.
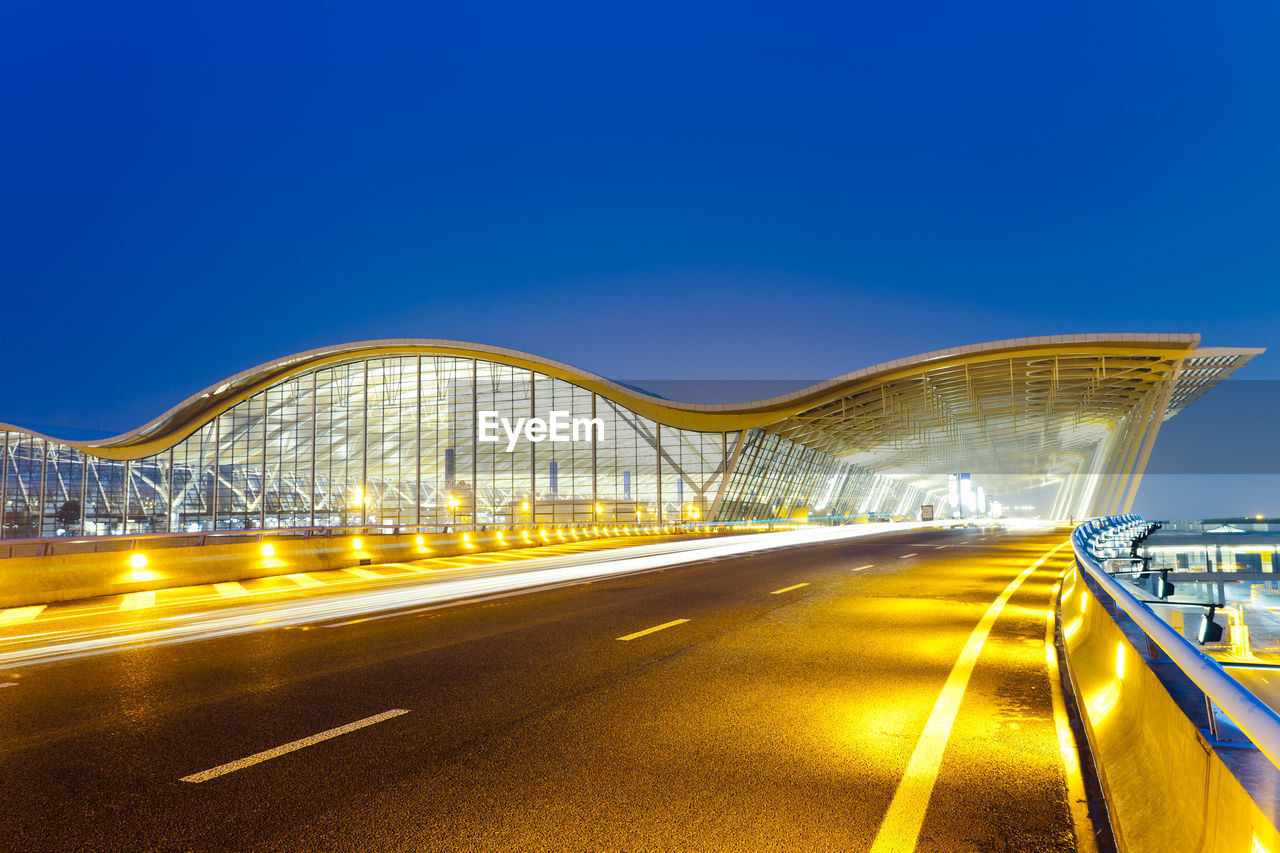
(394, 441)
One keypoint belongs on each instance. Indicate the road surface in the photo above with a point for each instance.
(781, 699)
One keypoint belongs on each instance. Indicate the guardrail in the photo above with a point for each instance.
(1250, 715)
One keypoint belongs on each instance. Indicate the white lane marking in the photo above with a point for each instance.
(940, 547)
(661, 627)
(138, 600)
(229, 589)
(901, 826)
(18, 615)
(304, 580)
(867, 566)
(904, 556)
(9, 684)
(1086, 841)
(362, 573)
(266, 755)
(788, 589)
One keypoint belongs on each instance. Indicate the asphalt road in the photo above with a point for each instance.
(801, 695)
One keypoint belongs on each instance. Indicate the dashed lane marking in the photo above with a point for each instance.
(861, 568)
(304, 580)
(293, 746)
(230, 589)
(788, 589)
(662, 627)
(904, 556)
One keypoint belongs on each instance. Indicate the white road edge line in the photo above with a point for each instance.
(900, 828)
(788, 588)
(259, 757)
(663, 626)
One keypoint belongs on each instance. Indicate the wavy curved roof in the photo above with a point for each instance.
(1021, 409)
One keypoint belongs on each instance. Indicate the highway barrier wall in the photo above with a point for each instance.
(1166, 785)
(51, 570)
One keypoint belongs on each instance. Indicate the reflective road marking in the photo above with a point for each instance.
(661, 627)
(138, 600)
(304, 580)
(259, 757)
(904, 556)
(867, 566)
(18, 615)
(901, 826)
(363, 573)
(787, 589)
(230, 588)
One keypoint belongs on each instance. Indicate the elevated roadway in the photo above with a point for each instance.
(891, 692)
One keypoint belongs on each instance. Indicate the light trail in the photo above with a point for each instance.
(232, 619)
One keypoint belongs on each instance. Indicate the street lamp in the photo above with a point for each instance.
(454, 502)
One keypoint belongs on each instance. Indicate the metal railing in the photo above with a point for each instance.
(1256, 721)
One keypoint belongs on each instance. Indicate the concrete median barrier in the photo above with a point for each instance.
(54, 571)
(1166, 783)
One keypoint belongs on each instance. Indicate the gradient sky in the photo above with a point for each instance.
(649, 190)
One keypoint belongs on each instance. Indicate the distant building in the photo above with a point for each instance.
(427, 433)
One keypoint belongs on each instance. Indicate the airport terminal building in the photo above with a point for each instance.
(430, 434)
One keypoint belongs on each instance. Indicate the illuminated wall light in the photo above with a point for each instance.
(138, 561)
(357, 544)
(466, 540)
(502, 537)
(268, 550)
(419, 540)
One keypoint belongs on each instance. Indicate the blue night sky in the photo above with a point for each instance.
(649, 190)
